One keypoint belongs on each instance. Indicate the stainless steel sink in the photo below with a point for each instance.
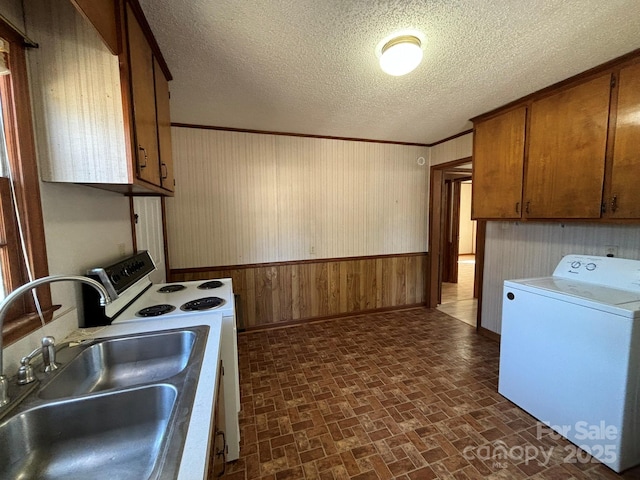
(123, 362)
(110, 436)
(118, 408)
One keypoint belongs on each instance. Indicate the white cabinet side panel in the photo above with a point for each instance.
(76, 98)
(149, 234)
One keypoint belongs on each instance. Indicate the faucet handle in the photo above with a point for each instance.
(48, 350)
(25, 372)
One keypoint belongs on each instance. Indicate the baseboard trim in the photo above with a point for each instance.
(293, 323)
(485, 332)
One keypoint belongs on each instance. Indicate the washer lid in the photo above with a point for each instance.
(599, 293)
(622, 302)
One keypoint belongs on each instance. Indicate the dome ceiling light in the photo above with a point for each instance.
(400, 54)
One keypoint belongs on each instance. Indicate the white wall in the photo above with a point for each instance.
(250, 198)
(467, 239)
(84, 227)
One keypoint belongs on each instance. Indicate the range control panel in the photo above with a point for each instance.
(121, 275)
(618, 273)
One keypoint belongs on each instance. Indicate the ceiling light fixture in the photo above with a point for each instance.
(400, 55)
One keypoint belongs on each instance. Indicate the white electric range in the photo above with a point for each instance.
(136, 299)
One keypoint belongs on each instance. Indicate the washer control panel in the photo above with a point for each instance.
(618, 273)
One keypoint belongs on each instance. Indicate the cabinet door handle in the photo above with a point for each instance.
(614, 203)
(517, 207)
(165, 170)
(146, 157)
(526, 208)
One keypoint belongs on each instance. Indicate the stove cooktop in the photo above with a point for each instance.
(185, 298)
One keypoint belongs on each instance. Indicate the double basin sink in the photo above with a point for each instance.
(118, 408)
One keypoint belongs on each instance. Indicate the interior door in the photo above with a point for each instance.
(451, 230)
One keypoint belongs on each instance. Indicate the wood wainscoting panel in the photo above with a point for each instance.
(287, 292)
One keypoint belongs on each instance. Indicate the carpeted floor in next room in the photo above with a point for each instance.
(406, 395)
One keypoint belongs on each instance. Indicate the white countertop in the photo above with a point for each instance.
(195, 456)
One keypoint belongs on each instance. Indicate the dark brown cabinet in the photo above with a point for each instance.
(622, 195)
(568, 152)
(150, 101)
(102, 15)
(567, 144)
(164, 128)
(498, 162)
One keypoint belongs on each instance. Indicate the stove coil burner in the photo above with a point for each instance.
(155, 310)
(210, 285)
(205, 303)
(171, 288)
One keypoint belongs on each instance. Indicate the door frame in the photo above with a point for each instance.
(436, 183)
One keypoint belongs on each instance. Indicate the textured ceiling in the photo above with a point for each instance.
(309, 66)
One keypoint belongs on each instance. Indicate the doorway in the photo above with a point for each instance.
(456, 243)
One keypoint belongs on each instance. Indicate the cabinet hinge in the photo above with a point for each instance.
(222, 367)
(603, 207)
(613, 81)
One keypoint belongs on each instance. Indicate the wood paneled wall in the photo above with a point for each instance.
(286, 292)
(527, 250)
(245, 198)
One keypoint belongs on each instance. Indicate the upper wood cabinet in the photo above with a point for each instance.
(102, 15)
(498, 162)
(578, 142)
(567, 144)
(143, 97)
(100, 119)
(164, 128)
(150, 101)
(622, 193)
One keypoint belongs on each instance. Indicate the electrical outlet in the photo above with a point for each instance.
(312, 250)
(122, 249)
(611, 250)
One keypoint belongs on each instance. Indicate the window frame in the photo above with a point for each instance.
(18, 126)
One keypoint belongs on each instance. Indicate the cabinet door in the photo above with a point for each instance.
(498, 159)
(102, 15)
(144, 102)
(164, 127)
(567, 144)
(623, 195)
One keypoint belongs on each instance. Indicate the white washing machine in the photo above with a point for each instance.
(570, 354)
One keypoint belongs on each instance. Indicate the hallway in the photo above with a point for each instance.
(457, 298)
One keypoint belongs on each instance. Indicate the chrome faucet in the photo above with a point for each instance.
(48, 351)
(9, 299)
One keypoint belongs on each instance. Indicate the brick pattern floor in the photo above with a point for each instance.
(405, 395)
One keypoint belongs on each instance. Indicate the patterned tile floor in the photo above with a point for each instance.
(405, 395)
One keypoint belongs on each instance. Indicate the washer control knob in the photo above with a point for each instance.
(591, 267)
(575, 264)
